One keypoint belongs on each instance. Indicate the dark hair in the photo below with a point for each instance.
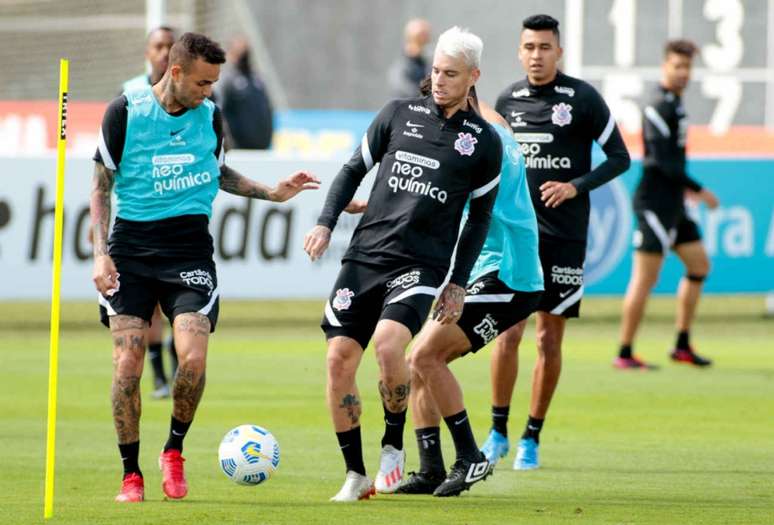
(541, 23)
(191, 46)
(425, 86)
(681, 47)
(159, 28)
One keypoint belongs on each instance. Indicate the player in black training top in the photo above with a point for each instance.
(434, 154)
(662, 222)
(555, 118)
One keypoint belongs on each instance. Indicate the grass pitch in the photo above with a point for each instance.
(679, 445)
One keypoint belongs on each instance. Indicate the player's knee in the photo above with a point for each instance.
(195, 360)
(549, 344)
(128, 364)
(699, 270)
(421, 361)
(508, 341)
(388, 354)
(340, 364)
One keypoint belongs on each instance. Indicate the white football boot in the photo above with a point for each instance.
(391, 468)
(356, 487)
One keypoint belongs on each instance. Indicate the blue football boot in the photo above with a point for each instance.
(526, 455)
(495, 447)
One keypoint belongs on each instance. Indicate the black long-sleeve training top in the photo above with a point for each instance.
(664, 130)
(429, 166)
(555, 124)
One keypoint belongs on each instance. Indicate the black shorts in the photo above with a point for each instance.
(562, 263)
(364, 294)
(657, 232)
(178, 286)
(491, 308)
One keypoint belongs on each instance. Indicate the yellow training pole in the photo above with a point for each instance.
(53, 359)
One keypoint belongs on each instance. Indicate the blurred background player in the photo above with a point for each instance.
(243, 98)
(662, 221)
(157, 46)
(406, 73)
(556, 118)
(504, 288)
(434, 154)
(160, 250)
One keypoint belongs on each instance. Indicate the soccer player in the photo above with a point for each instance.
(505, 287)
(157, 46)
(662, 222)
(555, 118)
(435, 153)
(160, 149)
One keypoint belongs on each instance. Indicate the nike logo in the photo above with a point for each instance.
(178, 433)
(428, 436)
(461, 421)
(564, 294)
(412, 125)
(532, 428)
(516, 114)
(477, 471)
(173, 133)
(342, 447)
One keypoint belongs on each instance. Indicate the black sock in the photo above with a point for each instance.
(157, 361)
(625, 351)
(429, 446)
(177, 432)
(130, 454)
(393, 428)
(500, 419)
(682, 340)
(462, 434)
(533, 428)
(352, 449)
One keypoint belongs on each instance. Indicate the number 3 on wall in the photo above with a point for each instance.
(723, 57)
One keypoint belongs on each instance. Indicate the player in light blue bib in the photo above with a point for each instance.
(161, 150)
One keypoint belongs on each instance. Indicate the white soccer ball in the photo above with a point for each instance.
(249, 455)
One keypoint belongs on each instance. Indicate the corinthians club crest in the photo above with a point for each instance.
(343, 299)
(562, 114)
(465, 144)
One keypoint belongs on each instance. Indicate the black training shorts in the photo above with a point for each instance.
(179, 286)
(562, 263)
(658, 232)
(364, 294)
(492, 308)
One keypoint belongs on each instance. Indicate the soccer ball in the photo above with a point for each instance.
(249, 455)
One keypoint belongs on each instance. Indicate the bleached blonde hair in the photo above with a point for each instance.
(460, 43)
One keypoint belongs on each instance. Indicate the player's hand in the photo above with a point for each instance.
(316, 241)
(553, 193)
(356, 206)
(293, 185)
(448, 308)
(709, 199)
(105, 276)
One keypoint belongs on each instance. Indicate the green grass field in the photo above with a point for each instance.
(678, 445)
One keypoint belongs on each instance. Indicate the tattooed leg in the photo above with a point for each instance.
(191, 332)
(128, 357)
(390, 341)
(344, 355)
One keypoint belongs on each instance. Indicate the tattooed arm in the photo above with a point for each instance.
(105, 276)
(233, 182)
